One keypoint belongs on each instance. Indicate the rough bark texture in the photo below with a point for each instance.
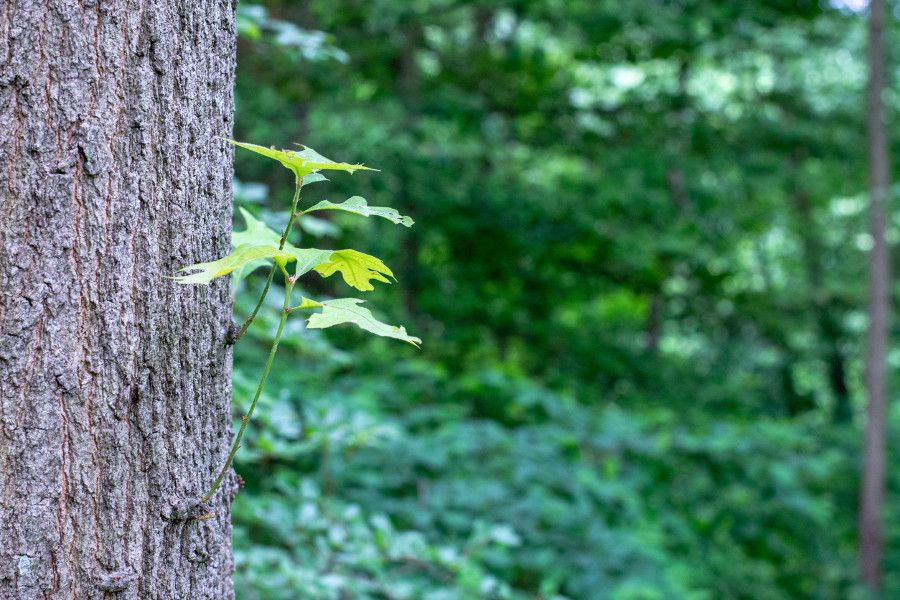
(871, 534)
(114, 381)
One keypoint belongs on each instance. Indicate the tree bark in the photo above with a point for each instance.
(873, 480)
(114, 381)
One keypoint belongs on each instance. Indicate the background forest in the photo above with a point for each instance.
(638, 270)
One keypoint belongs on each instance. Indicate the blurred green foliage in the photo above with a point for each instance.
(638, 271)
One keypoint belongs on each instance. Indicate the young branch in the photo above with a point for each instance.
(256, 308)
(284, 234)
(289, 287)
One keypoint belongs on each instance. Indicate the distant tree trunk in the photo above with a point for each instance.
(827, 316)
(842, 412)
(114, 382)
(654, 322)
(873, 479)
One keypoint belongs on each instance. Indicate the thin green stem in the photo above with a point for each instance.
(293, 216)
(259, 303)
(289, 287)
(285, 311)
(284, 271)
(284, 234)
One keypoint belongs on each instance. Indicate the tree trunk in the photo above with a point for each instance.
(114, 381)
(826, 313)
(873, 480)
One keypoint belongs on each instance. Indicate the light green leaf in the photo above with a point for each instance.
(315, 161)
(253, 247)
(348, 310)
(243, 271)
(313, 178)
(308, 258)
(303, 162)
(239, 257)
(358, 205)
(357, 268)
(256, 233)
(306, 303)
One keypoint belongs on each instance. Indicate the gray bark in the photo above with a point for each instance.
(114, 381)
(871, 534)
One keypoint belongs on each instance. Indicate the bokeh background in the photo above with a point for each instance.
(639, 272)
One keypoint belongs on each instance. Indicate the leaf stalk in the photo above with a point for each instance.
(284, 234)
(290, 281)
(289, 287)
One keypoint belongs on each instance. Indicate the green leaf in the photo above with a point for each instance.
(253, 247)
(239, 257)
(256, 233)
(308, 258)
(314, 178)
(303, 162)
(358, 205)
(243, 271)
(357, 268)
(315, 161)
(348, 310)
(306, 303)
